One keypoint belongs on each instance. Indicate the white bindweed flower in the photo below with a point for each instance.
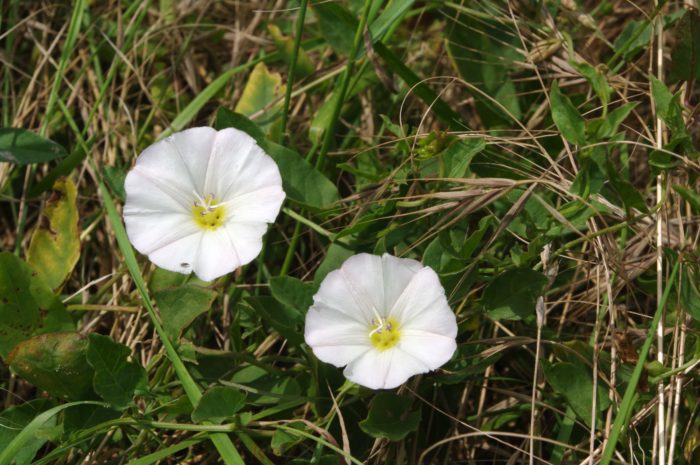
(386, 318)
(200, 201)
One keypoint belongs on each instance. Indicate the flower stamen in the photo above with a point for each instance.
(207, 213)
(384, 333)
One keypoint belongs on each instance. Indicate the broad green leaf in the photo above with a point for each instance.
(179, 306)
(460, 154)
(606, 127)
(116, 378)
(27, 306)
(292, 292)
(301, 182)
(15, 418)
(284, 440)
(685, 54)
(575, 383)
(337, 25)
(23, 147)
(567, 118)
(164, 279)
(512, 294)
(390, 416)
(55, 246)
(285, 46)
(261, 99)
(662, 97)
(56, 363)
(283, 319)
(335, 257)
(218, 404)
(487, 63)
(596, 78)
(633, 39)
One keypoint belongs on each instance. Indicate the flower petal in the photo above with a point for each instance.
(261, 205)
(383, 370)
(433, 350)
(335, 337)
(245, 239)
(423, 294)
(180, 160)
(355, 289)
(178, 255)
(216, 256)
(239, 166)
(397, 273)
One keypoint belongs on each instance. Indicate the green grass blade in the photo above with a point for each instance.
(165, 453)
(627, 403)
(8, 454)
(222, 442)
(73, 30)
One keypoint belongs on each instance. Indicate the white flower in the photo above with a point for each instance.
(386, 318)
(200, 201)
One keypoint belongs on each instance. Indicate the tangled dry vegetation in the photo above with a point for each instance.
(540, 156)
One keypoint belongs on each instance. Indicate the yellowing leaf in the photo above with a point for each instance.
(261, 99)
(55, 246)
(285, 45)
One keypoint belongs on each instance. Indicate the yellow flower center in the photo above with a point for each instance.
(384, 334)
(207, 213)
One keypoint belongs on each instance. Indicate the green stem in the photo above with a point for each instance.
(343, 87)
(293, 66)
(222, 442)
(627, 403)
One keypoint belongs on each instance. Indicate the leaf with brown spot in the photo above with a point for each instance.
(55, 246)
(28, 306)
(56, 363)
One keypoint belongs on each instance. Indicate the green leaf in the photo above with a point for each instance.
(566, 117)
(685, 54)
(512, 294)
(335, 257)
(337, 25)
(292, 293)
(596, 78)
(662, 97)
(606, 127)
(575, 383)
(179, 306)
(689, 293)
(23, 147)
(218, 404)
(460, 154)
(27, 305)
(390, 416)
(283, 440)
(15, 418)
(55, 246)
(116, 378)
(689, 196)
(283, 319)
(261, 99)
(54, 362)
(633, 39)
(302, 182)
(36, 428)
(285, 46)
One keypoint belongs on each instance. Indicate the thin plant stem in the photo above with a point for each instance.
(293, 65)
(339, 93)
